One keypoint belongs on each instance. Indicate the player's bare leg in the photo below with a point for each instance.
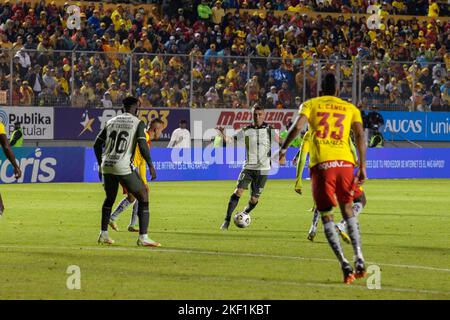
(232, 204)
(123, 205)
(333, 240)
(355, 236)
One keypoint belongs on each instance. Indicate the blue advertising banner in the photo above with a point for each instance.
(73, 164)
(45, 165)
(196, 164)
(420, 126)
(398, 163)
(85, 124)
(202, 164)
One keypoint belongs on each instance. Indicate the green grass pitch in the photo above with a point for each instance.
(48, 227)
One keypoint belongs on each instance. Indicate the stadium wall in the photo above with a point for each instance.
(77, 164)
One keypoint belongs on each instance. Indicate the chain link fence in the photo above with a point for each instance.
(102, 79)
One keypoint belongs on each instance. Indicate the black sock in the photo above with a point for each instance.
(106, 214)
(232, 204)
(250, 207)
(144, 217)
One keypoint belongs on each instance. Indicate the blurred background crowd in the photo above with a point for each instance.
(219, 54)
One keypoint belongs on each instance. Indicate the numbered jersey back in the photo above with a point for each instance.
(330, 120)
(121, 135)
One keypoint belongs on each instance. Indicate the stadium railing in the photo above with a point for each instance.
(100, 80)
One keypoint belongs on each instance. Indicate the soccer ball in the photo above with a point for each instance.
(242, 220)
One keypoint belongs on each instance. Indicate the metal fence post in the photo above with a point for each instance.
(304, 82)
(338, 76)
(131, 74)
(248, 78)
(72, 77)
(11, 70)
(354, 83)
(319, 78)
(359, 80)
(191, 86)
(413, 87)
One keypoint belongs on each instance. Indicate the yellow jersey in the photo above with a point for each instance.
(433, 10)
(2, 129)
(139, 161)
(330, 120)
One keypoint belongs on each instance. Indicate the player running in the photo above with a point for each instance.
(359, 198)
(153, 133)
(331, 163)
(12, 159)
(114, 149)
(258, 140)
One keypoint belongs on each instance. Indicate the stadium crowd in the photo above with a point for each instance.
(200, 55)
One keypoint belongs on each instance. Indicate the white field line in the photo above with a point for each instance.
(288, 283)
(217, 253)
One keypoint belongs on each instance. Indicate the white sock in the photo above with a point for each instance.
(143, 236)
(357, 208)
(134, 215)
(104, 234)
(120, 208)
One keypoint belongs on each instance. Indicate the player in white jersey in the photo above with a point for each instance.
(114, 149)
(258, 141)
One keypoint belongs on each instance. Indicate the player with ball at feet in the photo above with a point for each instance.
(258, 141)
(331, 165)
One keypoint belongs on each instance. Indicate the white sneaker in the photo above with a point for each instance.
(145, 241)
(104, 239)
(312, 233)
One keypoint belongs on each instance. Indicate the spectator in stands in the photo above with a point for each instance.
(293, 43)
(26, 94)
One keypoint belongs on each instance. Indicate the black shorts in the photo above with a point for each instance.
(256, 178)
(131, 182)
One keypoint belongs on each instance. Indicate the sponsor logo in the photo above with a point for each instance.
(86, 123)
(334, 164)
(4, 118)
(440, 127)
(239, 119)
(403, 126)
(106, 116)
(34, 169)
(33, 123)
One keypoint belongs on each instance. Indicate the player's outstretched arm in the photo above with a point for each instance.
(98, 150)
(10, 155)
(361, 146)
(293, 132)
(301, 156)
(144, 149)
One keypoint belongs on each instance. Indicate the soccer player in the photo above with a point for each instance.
(359, 198)
(153, 133)
(332, 164)
(257, 164)
(12, 159)
(114, 149)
